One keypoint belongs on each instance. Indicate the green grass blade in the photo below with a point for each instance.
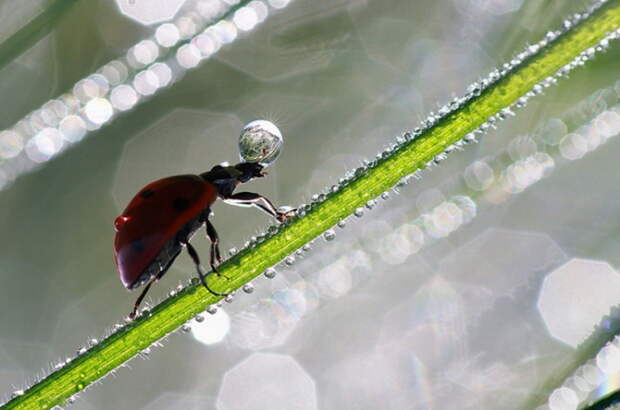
(506, 89)
(33, 31)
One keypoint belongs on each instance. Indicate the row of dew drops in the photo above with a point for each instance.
(401, 142)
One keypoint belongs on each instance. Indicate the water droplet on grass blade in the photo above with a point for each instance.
(329, 235)
(270, 273)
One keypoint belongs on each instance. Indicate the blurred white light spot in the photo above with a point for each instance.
(414, 235)
(145, 52)
(607, 124)
(123, 97)
(36, 121)
(293, 301)
(98, 110)
(188, 56)
(278, 4)
(146, 82)
(102, 84)
(479, 176)
(563, 399)
(395, 248)
(209, 9)
(591, 374)
(521, 174)
(86, 90)
(187, 26)
(608, 359)
(225, 31)
(163, 73)
(71, 101)
(167, 35)
(335, 279)
(573, 146)
(443, 220)
(278, 383)
(521, 147)
(575, 297)
(545, 161)
(73, 128)
(261, 10)
(44, 145)
(553, 131)
(207, 44)
(466, 205)
(592, 136)
(213, 329)
(266, 324)
(53, 111)
(245, 18)
(115, 72)
(149, 11)
(11, 144)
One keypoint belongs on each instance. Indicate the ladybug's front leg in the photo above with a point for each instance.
(250, 198)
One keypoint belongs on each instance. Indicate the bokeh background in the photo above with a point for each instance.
(466, 289)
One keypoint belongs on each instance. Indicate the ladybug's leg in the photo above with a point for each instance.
(250, 198)
(133, 313)
(194, 255)
(215, 245)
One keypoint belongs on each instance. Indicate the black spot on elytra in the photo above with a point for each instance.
(147, 193)
(180, 204)
(138, 246)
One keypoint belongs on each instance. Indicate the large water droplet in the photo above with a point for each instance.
(260, 141)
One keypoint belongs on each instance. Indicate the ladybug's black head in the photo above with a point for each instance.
(249, 170)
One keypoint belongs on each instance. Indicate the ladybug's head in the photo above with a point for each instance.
(249, 170)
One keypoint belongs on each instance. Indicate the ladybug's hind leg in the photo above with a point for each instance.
(203, 278)
(133, 313)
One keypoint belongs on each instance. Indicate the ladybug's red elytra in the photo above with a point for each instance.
(160, 220)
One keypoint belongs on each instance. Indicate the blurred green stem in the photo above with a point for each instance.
(173, 312)
(33, 31)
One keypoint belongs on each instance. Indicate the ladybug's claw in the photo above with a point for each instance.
(203, 279)
(283, 216)
(217, 272)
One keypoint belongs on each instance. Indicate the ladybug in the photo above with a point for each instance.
(160, 220)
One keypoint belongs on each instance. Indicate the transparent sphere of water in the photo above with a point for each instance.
(260, 141)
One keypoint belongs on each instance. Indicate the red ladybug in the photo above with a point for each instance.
(160, 220)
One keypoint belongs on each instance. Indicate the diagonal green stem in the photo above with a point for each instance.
(369, 183)
(33, 31)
